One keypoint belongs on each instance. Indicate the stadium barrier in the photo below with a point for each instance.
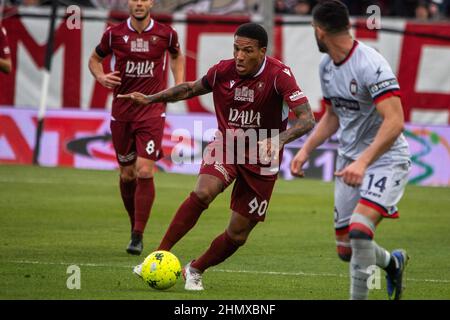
(81, 139)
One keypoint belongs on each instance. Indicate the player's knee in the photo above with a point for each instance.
(238, 234)
(145, 172)
(205, 195)
(345, 257)
(361, 227)
(128, 175)
(238, 238)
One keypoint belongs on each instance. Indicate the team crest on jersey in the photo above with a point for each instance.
(154, 39)
(139, 45)
(353, 87)
(244, 94)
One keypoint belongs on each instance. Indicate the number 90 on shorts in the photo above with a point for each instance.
(258, 207)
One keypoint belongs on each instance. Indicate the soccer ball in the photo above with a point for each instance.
(161, 270)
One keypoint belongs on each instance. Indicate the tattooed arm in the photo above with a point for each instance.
(305, 123)
(327, 126)
(182, 91)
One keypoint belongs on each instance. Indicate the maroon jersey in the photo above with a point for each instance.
(141, 60)
(253, 102)
(4, 46)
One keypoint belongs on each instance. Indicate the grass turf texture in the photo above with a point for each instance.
(51, 218)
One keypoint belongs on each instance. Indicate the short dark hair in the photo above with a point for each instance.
(331, 15)
(253, 31)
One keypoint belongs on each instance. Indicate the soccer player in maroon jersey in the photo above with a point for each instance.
(139, 50)
(248, 93)
(5, 54)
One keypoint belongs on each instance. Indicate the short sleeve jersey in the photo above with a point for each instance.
(141, 59)
(258, 102)
(353, 87)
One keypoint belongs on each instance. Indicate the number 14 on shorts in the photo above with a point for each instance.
(374, 185)
(380, 184)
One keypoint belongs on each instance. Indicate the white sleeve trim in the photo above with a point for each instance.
(275, 84)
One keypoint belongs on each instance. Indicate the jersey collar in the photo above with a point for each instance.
(355, 44)
(263, 66)
(149, 27)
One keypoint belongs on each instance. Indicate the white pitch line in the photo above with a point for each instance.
(279, 273)
(73, 182)
(307, 274)
(276, 273)
(50, 181)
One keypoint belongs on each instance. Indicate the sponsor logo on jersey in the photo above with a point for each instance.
(139, 45)
(232, 82)
(353, 87)
(380, 86)
(296, 96)
(125, 38)
(244, 118)
(345, 104)
(244, 94)
(139, 69)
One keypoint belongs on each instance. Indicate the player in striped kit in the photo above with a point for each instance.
(363, 106)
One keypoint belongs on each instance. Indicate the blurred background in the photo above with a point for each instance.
(419, 9)
(72, 128)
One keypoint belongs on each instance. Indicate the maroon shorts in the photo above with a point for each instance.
(138, 138)
(251, 192)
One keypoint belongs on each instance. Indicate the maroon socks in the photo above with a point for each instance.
(221, 248)
(143, 201)
(183, 221)
(127, 190)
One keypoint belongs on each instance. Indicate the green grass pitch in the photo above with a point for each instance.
(51, 218)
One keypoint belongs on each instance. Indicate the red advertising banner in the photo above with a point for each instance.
(418, 53)
(82, 139)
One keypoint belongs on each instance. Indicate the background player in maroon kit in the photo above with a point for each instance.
(248, 93)
(139, 52)
(5, 54)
